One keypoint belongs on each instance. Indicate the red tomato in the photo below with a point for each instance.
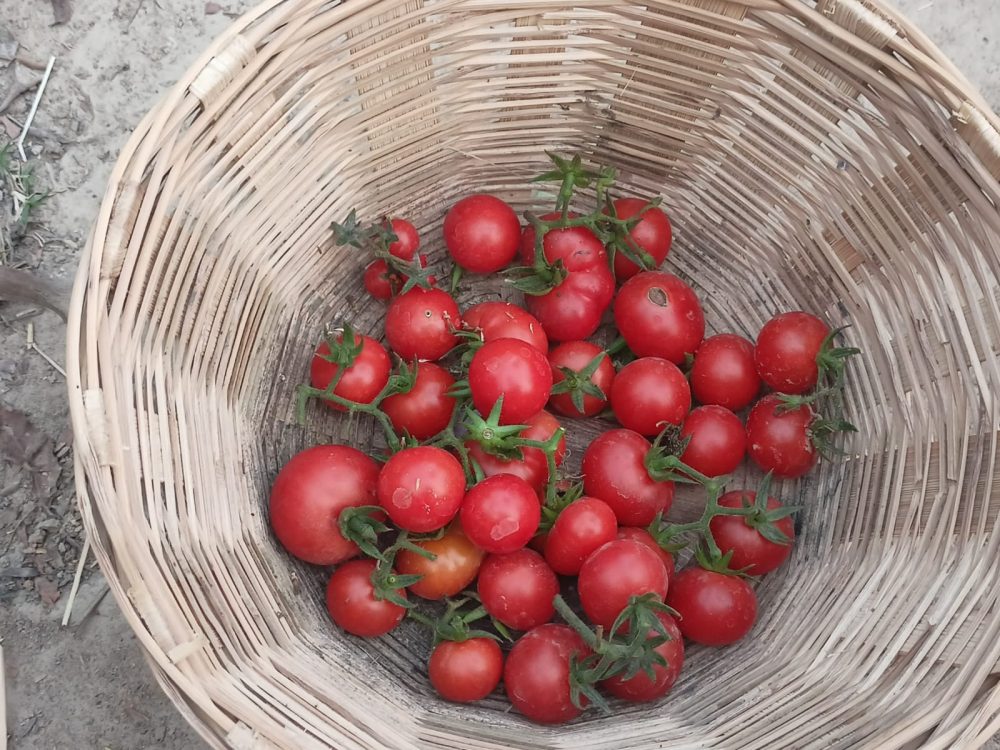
(787, 349)
(715, 609)
(659, 316)
(421, 488)
(380, 282)
(466, 671)
(536, 675)
(518, 588)
(718, 440)
(779, 440)
(582, 527)
(420, 323)
(515, 370)
(482, 233)
(641, 688)
(616, 572)
(426, 408)
(752, 552)
(351, 601)
(641, 535)
(575, 356)
(614, 471)
(407, 239)
(501, 513)
(724, 373)
(310, 492)
(503, 320)
(652, 233)
(650, 393)
(362, 381)
(532, 466)
(455, 566)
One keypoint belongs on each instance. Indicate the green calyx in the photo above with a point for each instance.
(454, 624)
(560, 500)
(376, 239)
(579, 383)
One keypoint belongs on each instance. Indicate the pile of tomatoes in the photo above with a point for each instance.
(470, 511)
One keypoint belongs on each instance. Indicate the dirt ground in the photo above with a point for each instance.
(86, 685)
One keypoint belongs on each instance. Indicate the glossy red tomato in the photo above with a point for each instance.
(652, 233)
(380, 282)
(536, 675)
(583, 526)
(518, 588)
(616, 572)
(641, 535)
(779, 439)
(718, 440)
(724, 373)
(715, 609)
(787, 349)
(514, 370)
(650, 393)
(753, 553)
(407, 239)
(503, 320)
(352, 604)
(466, 671)
(575, 356)
(659, 315)
(421, 488)
(454, 567)
(501, 513)
(309, 494)
(419, 324)
(362, 381)
(426, 408)
(482, 233)
(532, 466)
(614, 471)
(642, 688)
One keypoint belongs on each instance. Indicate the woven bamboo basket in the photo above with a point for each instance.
(822, 156)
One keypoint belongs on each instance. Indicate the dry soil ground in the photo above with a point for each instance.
(86, 686)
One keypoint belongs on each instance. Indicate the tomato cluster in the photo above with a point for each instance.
(472, 508)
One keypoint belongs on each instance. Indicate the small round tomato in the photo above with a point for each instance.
(309, 494)
(652, 234)
(420, 324)
(426, 408)
(753, 553)
(616, 572)
(641, 687)
(779, 439)
(650, 393)
(787, 351)
(501, 513)
(407, 239)
(465, 671)
(718, 440)
(536, 675)
(724, 373)
(715, 609)
(454, 566)
(614, 471)
(644, 537)
(362, 381)
(532, 466)
(380, 282)
(567, 361)
(514, 370)
(421, 488)
(659, 315)
(353, 604)
(503, 320)
(582, 527)
(482, 233)
(518, 588)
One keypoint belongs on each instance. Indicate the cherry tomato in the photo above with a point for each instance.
(482, 233)
(718, 440)
(753, 553)
(426, 408)
(501, 513)
(532, 466)
(514, 370)
(309, 494)
(503, 320)
(351, 601)
(652, 233)
(614, 471)
(380, 282)
(643, 536)
(421, 488)
(362, 381)
(407, 239)
(641, 687)
(575, 356)
(616, 572)
(724, 373)
(650, 393)
(787, 350)
(536, 675)
(659, 316)
(715, 609)
(454, 567)
(518, 588)
(466, 671)
(582, 527)
(419, 324)
(779, 439)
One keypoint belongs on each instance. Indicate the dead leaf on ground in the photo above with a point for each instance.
(25, 446)
(212, 8)
(47, 590)
(62, 10)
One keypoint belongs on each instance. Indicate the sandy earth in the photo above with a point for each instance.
(86, 686)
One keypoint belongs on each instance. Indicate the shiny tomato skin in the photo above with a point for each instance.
(482, 233)
(641, 689)
(518, 588)
(425, 409)
(536, 675)
(659, 315)
(515, 370)
(379, 281)
(504, 320)
(786, 351)
(352, 604)
(309, 494)
(614, 573)
(421, 488)
(715, 609)
(582, 527)
(752, 552)
(652, 233)
(465, 671)
(576, 355)
(613, 471)
(419, 324)
(501, 513)
(454, 567)
(650, 393)
(779, 440)
(644, 537)
(532, 467)
(718, 440)
(407, 239)
(362, 381)
(724, 372)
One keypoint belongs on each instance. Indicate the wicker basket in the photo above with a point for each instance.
(822, 156)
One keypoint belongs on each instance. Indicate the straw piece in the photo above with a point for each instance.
(34, 108)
